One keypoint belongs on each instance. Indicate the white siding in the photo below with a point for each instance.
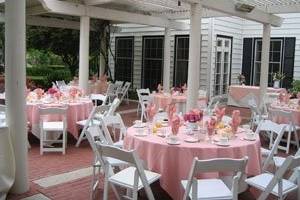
(289, 28)
(138, 31)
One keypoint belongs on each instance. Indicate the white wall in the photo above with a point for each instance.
(289, 28)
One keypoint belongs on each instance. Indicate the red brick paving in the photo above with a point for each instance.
(77, 158)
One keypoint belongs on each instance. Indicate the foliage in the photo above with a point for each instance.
(278, 76)
(295, 86)
(37, 57)
(57, 75)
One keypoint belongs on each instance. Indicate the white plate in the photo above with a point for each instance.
(191, 140)
(222, 144)
(173, 143)
(141, 134)
(143, 125)
(249, 139)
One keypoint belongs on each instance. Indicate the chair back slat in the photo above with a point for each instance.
(110, 120)
(113, 107)
(220, 165)
(61, 110)
(112, 89)
(126, 87)
(95, 134)
(117, 153)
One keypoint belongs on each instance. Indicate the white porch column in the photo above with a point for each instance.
(15, 73)
(194, 56)
(264, 71)
(84, 52)
(166, 77)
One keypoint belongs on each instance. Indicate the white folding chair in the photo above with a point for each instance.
(144, 100)
(206, 189)
(275, 183)
(133, 178)
(98, 97)
(114, 121)
(213, 104)
(94, 134)
(91, 120)
(113, 106)
(124, 92)
(61, 84)
(290, 128)
(272, 128)
(120, 86)
(111, 92)
(48, 127)
(256, 114)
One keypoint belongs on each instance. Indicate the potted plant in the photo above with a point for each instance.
(242, 79)
(295, 87)
(277, 77)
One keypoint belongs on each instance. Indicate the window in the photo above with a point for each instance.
(152, 61)
(124, 58)
(275, 59)
(222, 65)
(282, 59)
(181, 60)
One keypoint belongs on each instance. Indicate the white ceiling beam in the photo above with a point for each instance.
(228, 7)
(207, 13)
(35, 10)
(96, 2)
(281, 9)
(67, 8)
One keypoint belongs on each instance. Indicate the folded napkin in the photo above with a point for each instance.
(151, 111)
(236, 120)
(211, 125)
(171, 110)
(175, 124)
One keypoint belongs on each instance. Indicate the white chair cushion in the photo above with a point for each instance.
(261, 181)
(278, 161)
(210, 189)
(53, 126)
(265, 152)
(119, 144)
(83, 122)
(125, 178)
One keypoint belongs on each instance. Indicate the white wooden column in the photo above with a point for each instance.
(264, 71)
(84, 53)
(194, 57)
(15, 86)
(166, 76)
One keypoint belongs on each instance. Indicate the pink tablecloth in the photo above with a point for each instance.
(162, 100)
(174, 162)
(292, 108)
(76, 112)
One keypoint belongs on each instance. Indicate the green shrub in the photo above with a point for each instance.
(295, 86)
(58, 75)
(38, 71)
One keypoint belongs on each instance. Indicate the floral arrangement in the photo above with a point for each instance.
(236, 120)
(159, 88)
(175, 124)
(242, 79)
(52, 91)
(75, 92)
(193, 116)
(58, 95)
(211, 125)
(39, 92)
(278, 76)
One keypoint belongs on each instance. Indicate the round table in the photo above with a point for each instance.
(161, 100)
(76, 111)
(174, 162)
(292, 107)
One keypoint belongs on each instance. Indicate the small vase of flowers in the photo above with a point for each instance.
(277, 77)
(193, 117)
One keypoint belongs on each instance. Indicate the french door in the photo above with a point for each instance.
(222, 65)
(152, 61)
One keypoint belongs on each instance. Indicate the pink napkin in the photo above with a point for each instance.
(175, 124)
(39, 92)
(236, 120)
(151, 111)
(58, 95)
(211, 124)
(281, 96)
(171, 110)
(220, 112)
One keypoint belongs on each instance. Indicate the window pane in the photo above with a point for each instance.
(181, 60)
(124, 59)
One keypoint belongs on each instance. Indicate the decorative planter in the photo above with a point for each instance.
(276, 84)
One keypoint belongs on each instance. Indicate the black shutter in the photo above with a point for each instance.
(247, 59)
(288, 62)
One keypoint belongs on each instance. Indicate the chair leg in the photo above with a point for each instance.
(41, 142)
(64, 142)
(80, 138)
(296, 137)
(271, 140)
(288, 142)
(92, 195)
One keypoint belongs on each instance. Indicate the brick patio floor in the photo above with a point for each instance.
(77, 158)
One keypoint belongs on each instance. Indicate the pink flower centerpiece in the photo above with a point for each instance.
(52, 91)
(236, 121)
(39, 92)
(58, 95)
(75, 92)
(175, 124)
(193, 117)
